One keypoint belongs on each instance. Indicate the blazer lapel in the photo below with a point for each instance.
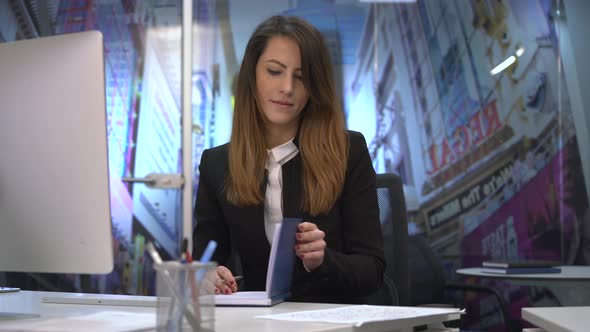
(292, 188)
(256, 216)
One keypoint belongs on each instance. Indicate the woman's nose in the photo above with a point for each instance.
(287, 85)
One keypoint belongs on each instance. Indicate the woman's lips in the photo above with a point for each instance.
(281, 103)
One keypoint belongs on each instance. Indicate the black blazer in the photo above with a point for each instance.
(354, 262)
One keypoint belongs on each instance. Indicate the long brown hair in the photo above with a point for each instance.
(323, 142)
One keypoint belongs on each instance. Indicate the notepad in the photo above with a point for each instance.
(506, 264)
(279, 275)
(522, 270)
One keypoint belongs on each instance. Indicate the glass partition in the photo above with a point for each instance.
(466, 100)
(142, 69)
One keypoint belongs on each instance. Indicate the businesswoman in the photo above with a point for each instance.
(290, 156)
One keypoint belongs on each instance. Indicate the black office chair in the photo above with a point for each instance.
(429, 287)
(414, 275)
(394, 226)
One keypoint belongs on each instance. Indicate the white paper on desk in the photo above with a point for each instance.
(360, 314)
(107, 321)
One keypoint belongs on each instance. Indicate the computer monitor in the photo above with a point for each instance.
(54, 182)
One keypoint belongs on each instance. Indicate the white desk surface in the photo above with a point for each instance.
(558, 319)
(226, 318)
(571, 286)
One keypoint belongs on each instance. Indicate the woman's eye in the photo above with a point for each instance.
(299, 77)
(273, 72)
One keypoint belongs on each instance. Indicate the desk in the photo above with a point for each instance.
(226, 318)
(571, 286)
(558, 319)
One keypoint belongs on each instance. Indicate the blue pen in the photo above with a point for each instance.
(208, 253)
(206, 256)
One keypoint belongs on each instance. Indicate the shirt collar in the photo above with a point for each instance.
(282, 152)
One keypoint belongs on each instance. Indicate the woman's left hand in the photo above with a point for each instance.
(310, 245)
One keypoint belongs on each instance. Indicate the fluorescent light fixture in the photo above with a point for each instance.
(505, 64)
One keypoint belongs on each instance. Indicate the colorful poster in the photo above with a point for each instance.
(158, 151)
(476, 114)
(531, 219)
(486, 133)
(492, 157)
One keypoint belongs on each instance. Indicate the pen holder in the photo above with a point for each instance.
(186, 296)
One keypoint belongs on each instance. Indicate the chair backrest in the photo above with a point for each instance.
(394, 226)
(429, 286)
(427, 278)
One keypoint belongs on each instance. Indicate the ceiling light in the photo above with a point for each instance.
(505, 64)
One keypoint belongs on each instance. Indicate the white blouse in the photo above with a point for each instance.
(273, 200)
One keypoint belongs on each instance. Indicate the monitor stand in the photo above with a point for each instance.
(102, 299)
(14, 315)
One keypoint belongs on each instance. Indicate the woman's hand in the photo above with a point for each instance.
(310, 245)
(223, 281)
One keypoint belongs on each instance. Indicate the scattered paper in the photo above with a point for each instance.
(359, 315)
(111, 321)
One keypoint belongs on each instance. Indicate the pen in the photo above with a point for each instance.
(236, 278)
(194, 286)
(181, 286)
(206, 257)
(208, 253)
(189, 257)
(184, 251)
(153, 253)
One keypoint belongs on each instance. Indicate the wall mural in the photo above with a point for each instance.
(497, 133)
(499, 151)
(493, 158)
(416, 81)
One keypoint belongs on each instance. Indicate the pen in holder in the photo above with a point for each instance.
(186, 298)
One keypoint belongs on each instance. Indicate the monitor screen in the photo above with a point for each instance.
(54, 182)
